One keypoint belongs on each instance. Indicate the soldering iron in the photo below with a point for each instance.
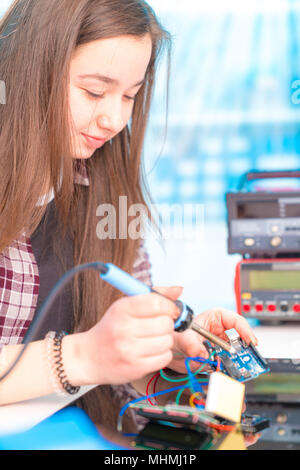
(131, 286)
(126, 284)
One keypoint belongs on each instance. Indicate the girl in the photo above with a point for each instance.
(79, 76)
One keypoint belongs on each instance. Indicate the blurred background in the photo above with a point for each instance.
(233, 107)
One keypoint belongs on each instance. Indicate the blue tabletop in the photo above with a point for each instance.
(68, 429)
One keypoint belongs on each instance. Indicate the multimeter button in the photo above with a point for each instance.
(259, 307)
(249, 241)
(246, 307)
(246, 295)
(275, 241)
(296, 308)
(284, 307)
(271, 307)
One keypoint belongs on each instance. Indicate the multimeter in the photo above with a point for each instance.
(268, 289)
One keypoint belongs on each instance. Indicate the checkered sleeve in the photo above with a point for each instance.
(19, 289)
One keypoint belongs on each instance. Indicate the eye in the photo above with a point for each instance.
(93, 96)
(129, 98)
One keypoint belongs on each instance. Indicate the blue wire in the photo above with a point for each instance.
(174, 389)
(201, 360)
(195, 385)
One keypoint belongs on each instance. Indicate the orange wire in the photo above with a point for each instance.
(192, 397)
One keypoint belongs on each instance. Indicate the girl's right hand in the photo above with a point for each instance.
(133, 339)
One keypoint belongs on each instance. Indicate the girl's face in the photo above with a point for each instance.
(105, 76)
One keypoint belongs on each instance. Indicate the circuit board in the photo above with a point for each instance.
(178, 427)
(182, 427)
(246, 364)
(176, 413)
(199, 419)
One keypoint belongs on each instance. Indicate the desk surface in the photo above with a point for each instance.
(279, 341)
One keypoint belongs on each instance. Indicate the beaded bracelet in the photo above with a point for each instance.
(54, 354)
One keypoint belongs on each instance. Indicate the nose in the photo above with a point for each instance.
(110, 116)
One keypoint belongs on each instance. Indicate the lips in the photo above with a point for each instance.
(94, 142)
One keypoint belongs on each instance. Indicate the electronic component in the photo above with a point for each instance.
(276, 396)
(263, 223)
(225, 397)
(281, 385)
(175, 426)
(251, 424)
(268, 289)
(284, 427)
(161, 436)
(197, 418)
(246, 364)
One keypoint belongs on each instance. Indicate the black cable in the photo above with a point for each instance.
(41, 314)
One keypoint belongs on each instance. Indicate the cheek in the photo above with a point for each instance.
(80, 111)
(127, 114)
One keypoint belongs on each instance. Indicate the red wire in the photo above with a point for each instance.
(199, 402)
(148, 385)
(155, 382)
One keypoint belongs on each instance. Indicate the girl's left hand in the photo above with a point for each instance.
(217, 321)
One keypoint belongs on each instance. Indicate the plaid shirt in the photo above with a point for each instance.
(19, 280)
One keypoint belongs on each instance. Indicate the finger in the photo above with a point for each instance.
(190, 343)
(172, 292)
(155, 363)
(251, 439)
(230, 319)
(244, 330)
(146, 305)
(154, 346)
(156, 326)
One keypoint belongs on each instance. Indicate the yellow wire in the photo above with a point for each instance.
(192, 397)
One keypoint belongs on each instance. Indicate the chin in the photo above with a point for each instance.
(84, 155)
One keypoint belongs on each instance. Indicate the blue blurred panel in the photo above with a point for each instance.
(231, 102)
(69, 429)
(232, 105)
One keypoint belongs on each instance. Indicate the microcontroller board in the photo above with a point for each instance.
(246, 363)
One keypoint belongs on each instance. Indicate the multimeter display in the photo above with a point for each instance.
(277, 384)
(274, 280)
(262, 209)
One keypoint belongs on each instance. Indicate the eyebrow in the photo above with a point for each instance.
(108, 80)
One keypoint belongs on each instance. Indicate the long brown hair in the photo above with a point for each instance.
(37, 40)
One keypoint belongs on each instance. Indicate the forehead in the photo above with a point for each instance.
(124, 58)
